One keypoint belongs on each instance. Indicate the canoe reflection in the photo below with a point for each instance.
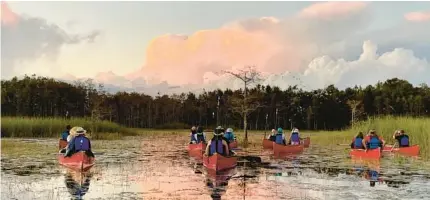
(217, 181)
(77, 183)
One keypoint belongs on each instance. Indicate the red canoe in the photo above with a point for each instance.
(287, 149)
(218, 162)
(413, 150)
(233, 145)
(62, 144)
(78, 161)
(267, 144)
(307, 142)
(196, 150)
(369, 154)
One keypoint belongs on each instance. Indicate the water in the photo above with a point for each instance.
(142, 168)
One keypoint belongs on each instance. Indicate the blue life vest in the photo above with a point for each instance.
(358, 143)
(278, 139)
(373, 175)
(216, 146)
(193, 137)
(295, 137)
(229, 136)
(64, 135)
(374, 143)
(200, 137)
(82, 143)
(404, 141)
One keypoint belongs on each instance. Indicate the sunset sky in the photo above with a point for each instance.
(156, 45)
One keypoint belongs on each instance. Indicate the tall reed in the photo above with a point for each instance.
(52, 127)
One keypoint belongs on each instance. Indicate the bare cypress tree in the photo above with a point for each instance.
(247, 103)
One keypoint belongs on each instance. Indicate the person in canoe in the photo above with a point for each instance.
(272, 136)
(79, 143)
(193, 135)
(294, 137)
(66, 133)
(200, 135)
(373, 141)
(402, 138)
(218, 144)
(357, 142)
(280, 137)
(229, 135)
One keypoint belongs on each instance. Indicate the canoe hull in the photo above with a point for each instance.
(233, 144)
(307, 142)
(413, 150)
(362, 154)
(78, 161)
(196, 150)
(62, 144)
(218, 162)
(287, 149)
(267, 144)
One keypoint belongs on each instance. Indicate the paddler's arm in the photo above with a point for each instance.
(364, 143)
(207, 148)
(226, 147)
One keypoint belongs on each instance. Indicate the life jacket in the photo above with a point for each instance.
(374, 142)
(358, 143)
(373, 175)
(200, 137)
(278, 138)
(193, 137)
(295, 137)
(272, 138)
(229, 136)
(404, 141)
(216, 146)
(82, 143)
(64, 135)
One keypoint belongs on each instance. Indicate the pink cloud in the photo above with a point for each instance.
(8, 17)
(329, 10)
(418, 16)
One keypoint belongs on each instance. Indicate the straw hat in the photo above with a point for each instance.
(77, 131)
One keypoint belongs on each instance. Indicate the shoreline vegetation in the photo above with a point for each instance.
(418, 128)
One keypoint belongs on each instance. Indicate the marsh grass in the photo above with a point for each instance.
(15, 148)
(52, 127)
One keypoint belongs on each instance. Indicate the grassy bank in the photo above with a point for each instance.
(52, 127)
(418, 130)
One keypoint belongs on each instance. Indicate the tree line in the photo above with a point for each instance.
(322, 109)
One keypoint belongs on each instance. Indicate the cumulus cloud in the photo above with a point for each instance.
(418, 16)
(26, 39)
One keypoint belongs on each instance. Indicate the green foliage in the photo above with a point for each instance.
(322, 109)
(52, 127)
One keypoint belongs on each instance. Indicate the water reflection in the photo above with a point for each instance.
(217, 182)
(77, 183)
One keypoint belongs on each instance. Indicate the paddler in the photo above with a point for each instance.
(229, 135)
(294, 137)
(66, 133)
(79, 143)
(280, 137)
(402, 138)
(357, 141)
(217, 144)
(193, 135)
(373, 141)
(200, 135)
(272, 136)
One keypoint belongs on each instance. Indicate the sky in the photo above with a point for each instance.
(182, 46)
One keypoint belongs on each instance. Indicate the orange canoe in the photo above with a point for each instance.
(287, 149)
(413, 150)
(363, 154)
(233, 144)
(307, 142)
(267, 144)
(79, 161)
(218, 162)
(62, 144)
(196, 150)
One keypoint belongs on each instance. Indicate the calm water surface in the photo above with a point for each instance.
(141, 168)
